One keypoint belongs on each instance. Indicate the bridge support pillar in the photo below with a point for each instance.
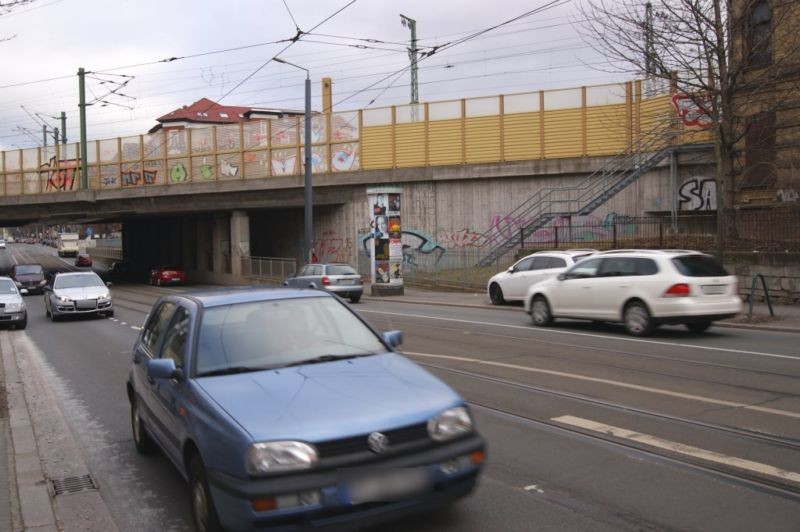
(240, 241)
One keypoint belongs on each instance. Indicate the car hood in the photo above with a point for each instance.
(10, 298)
(83, 292)
(331, 400)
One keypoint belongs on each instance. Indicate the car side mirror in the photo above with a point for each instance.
(163, 368)
(561, 276)
(109, 284)
(393, 338)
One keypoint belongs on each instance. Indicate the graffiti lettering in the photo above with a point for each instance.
(62, 178)
(698, 194)
(415, 242)
(333, 248)
(788, 194)
(461, 239)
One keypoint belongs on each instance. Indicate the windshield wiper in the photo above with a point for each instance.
(231, 370)
(323, 358)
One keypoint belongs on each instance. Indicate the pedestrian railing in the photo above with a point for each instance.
(274, 268)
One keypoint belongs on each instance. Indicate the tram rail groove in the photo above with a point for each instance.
(729, 474)
(762, 437)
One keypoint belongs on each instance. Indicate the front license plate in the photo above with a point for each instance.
(87, 304)
(714, 289)
(384, 485)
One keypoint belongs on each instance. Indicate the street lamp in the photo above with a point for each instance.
(307, 241)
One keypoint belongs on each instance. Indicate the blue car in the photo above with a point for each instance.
(283, 408)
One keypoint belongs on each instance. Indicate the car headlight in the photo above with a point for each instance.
(14, 307)
(64, 299)
(42, 282)
(280, 456)
(451, 423)
(104, 296)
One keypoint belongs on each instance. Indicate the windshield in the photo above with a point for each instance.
(7, 287)
(77, 281)
(27, 270)
(277, 333)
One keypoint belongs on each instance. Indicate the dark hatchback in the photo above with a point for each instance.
(30, 277)
(283, 408)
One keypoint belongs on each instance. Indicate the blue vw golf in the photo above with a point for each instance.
(282, 408)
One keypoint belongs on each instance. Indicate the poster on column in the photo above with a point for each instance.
(386, 228)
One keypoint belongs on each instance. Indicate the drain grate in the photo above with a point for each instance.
(65, 486)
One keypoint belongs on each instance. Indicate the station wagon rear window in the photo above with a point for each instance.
(699, 266)
(341, 269)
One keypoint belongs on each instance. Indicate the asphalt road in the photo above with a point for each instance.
(588, 429)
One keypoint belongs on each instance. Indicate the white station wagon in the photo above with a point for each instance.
(513, 284)
(640, 288)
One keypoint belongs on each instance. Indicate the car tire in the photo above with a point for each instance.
(46, 311)
(203, 512)
(637, 319)
(541, 315)
(698, 327)
(54, 317)
(110, 314)
(496, 294)
(355, 299)
(24, 323)
(141, 439)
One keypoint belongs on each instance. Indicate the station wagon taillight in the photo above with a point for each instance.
(326, 280)
(678, 290)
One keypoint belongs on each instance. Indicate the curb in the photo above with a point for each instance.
(752, 326)
(43, 450)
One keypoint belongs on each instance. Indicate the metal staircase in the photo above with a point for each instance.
(580, 200)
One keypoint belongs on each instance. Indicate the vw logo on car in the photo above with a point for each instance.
(377, 442)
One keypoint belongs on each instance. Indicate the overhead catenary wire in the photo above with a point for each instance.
(392, 78)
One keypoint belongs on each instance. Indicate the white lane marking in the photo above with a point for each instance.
(123, 323)
(603, 336)
(610, 382)
(135, 328)
(533, 487)
(680, 448)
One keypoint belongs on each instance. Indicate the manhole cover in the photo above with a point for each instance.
(65, 486)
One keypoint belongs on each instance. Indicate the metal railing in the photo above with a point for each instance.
(581, 199)
(272, 268)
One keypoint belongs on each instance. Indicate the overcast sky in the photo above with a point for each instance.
(112, 39)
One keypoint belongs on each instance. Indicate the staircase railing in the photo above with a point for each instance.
(581, 199)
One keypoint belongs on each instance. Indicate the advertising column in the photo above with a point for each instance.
(386, 257)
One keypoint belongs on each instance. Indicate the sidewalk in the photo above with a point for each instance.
(786, 319)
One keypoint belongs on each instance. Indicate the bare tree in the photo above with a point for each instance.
(710, 51)
(6, 7)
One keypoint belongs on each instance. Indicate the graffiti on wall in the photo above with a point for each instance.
(61, 176)
(178, 173)
(345, 157)
(505, 227)
(332, 247)
(132, 178)
(584, 229)
(698, 194)
(228, 169)
(787, 194)
(415, 243)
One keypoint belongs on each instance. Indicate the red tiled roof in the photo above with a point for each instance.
(206, 111)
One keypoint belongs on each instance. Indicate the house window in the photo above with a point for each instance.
(759, 34)
(223, 115)
(759, 165)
